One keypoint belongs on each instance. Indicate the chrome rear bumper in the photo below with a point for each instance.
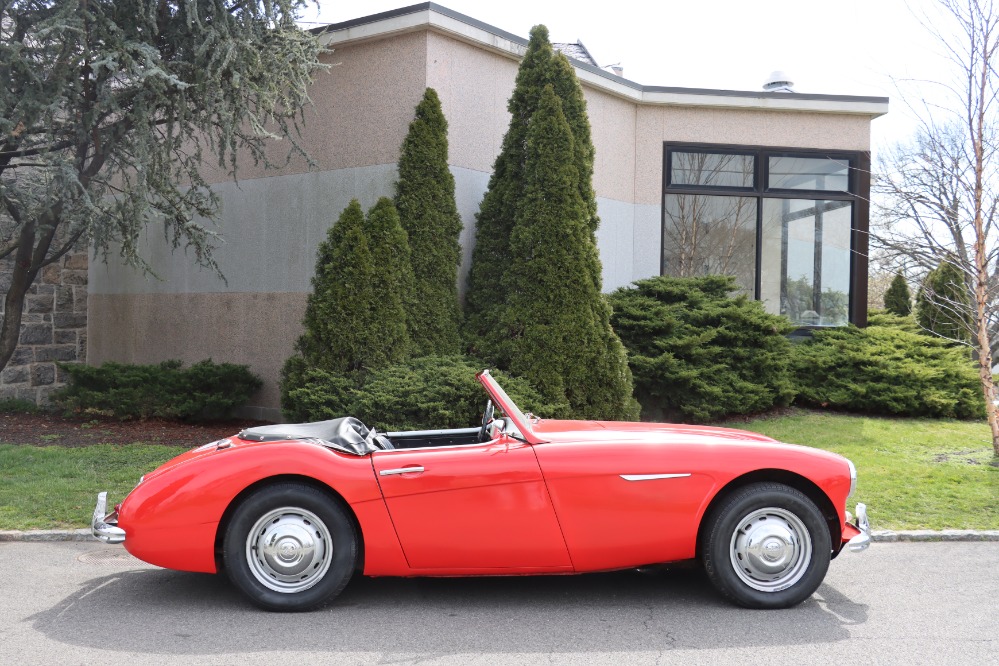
(104, 526)
(862, 540)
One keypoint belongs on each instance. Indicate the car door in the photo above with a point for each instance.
(473, 508)
(623, 504)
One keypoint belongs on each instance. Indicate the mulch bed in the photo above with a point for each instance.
(56, 430)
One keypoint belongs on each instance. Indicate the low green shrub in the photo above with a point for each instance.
(203, 391)
(19, 406)
(887, 370)
(697, 352)
(425, 393)
(891, 320)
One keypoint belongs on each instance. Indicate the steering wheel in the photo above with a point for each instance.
(487, 418)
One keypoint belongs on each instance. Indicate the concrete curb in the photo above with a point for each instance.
(46, 535)
(889, 536)
(880, 536)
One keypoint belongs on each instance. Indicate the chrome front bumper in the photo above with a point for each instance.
(103, 525)
(862, 540)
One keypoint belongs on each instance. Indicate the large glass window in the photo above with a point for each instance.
(780, 221)
(705, 235)
(805, 271)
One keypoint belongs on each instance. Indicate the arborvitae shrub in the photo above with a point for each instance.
(898, 298)
(355, 317)
(204, 391)
(887, 370)
(340, 326)
(428, 212)
(391, 285)
(429, 392)
(699, 353)
(943, 304)
(491, 257)
(556, 323)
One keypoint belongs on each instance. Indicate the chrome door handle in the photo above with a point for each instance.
(401, 470)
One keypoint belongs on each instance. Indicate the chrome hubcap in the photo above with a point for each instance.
(771, 549)
(289, 550)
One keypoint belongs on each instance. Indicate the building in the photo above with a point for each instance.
(769, 186)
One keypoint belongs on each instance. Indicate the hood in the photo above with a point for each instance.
(553, 430)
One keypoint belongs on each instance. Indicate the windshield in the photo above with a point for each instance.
(504, 402)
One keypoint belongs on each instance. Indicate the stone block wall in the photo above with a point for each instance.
(53, 328)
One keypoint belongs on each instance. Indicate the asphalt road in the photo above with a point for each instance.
(902, 603)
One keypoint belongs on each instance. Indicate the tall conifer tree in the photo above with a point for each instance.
(898, 298)
(339, 319)
(392, 284)
(355, 318)
(427, 210)
(942, 304)
(491, 255)
(556, 321)
(491, 258)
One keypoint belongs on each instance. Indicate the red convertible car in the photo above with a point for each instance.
(291, 512)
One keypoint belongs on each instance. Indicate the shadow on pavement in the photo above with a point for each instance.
(160, 611)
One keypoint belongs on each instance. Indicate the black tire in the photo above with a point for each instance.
(760, 564)
(312, 547)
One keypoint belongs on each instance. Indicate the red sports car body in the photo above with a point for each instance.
(291, 512)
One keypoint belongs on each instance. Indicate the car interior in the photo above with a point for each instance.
(350, 435)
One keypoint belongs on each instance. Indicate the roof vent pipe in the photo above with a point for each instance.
(779, 81)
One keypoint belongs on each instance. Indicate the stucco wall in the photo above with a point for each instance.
(273, 221)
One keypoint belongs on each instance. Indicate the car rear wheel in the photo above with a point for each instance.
(290, 547)
(766, 546)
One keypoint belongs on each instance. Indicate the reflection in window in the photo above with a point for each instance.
(705, 235)
(714, 169)
(809, 173)
(806, 260)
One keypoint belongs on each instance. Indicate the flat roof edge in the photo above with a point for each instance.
(396, 20)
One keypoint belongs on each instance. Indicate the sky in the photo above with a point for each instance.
(847, 47)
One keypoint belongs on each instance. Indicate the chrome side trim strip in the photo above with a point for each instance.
(650, 477)
(401, 470)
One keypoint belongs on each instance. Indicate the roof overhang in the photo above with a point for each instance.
(431, 16)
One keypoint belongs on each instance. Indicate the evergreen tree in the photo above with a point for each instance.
(113, 113)
(339, 321)
(943, 304)
(898, 298)
(541, 66)
(392, 285)
(427, 210)
(556, 322)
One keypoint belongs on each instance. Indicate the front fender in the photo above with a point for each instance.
(173, 516)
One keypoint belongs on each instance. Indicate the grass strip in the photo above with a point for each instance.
(55, 487)
(912, 473)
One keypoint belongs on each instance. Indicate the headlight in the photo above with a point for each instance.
(853, 478)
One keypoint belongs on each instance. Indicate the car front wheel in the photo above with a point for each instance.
(290, 547)
(766, 546)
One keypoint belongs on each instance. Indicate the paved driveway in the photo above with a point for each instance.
(904, 603)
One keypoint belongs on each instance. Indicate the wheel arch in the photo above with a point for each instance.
(788, 478)
(285, 478)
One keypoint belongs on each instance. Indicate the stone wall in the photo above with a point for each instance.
(53, 328)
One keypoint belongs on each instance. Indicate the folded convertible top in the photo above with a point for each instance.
(346, 434)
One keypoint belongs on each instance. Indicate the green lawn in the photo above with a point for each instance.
(54, 487)
(914, 474)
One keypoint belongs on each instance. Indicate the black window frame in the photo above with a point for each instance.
(858, 182)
